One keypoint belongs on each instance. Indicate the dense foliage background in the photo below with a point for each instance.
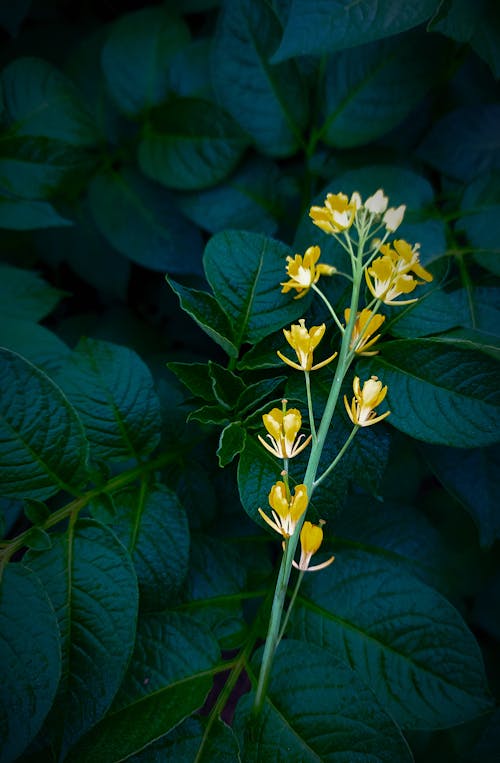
(189, 139)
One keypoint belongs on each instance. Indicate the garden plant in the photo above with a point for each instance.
(249, 400)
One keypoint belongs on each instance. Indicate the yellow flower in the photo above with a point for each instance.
(377, 204)
(367, 323)
(338, 213)
(304, 271)
(387, 283)
(408, 259)
(286, 510)
(304, 343)
(282, 427)
(361, 411)
(311, 538)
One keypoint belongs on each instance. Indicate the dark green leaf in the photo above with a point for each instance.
(21, 214)
(112, 390)
(196, 377)
(439, 391)
(91, 583)
(13, 14)
(193, 740)
(245, 271)
(371, 89)
(42, 442)
(169, 677)
(227, 387)
(41, 101)
(189, 73)
(406, 641)
(152, 525)
(318, 710)
(36, 511)
(140, 220)
(258, 470)
(472, 477)
(210, 414)
(231, 442)
(267, 100)
(30, 659)
(190, 144)
(255, 393)
(481, 213)
(137, 54)
(23, 294)
(35, 343)
(326, 25)
(37, 539)
(207, 313)
(435, 311)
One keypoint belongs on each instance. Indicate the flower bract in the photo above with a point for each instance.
(311, 538)
(366, 399)
(304, 342)
(282, 430)
(367, 323)
(305, 271)
(286, 509)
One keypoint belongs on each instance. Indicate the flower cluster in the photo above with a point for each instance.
(339, 212)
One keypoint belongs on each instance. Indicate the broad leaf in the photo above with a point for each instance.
(152, 525)
(326, 25)
(481, 212)
(245, 271)
(30, 659)
(35, 343)
(439, 392)
(41, 101)
(317, 711)
(267, 100)
(194, 739)
(112, 390)
(405, 640)
(42, 443)
(189, 144)
(91, 583)
(140, 220)
(168, 678)
(23, 294)
(137, 54)
(23, 214)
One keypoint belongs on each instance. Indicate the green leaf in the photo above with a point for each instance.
(152, 525)
(137, 55)
(112, 390)
(327, 25)
(435, 311)
(140, 220)
(474, 148)
(370, 89)
(472, 477)
(23, 294)
(169, 677)
(267, 100)
(210, 414)
(37, 539)
(227, 387)
(231, 442)
(35, 343)
(42, 443)
(481, 211)
(207, 313)
(317, 709)
(256, 393)
(21, 214)
(439, 391)
(193, 740)
(13, 14)
(406, 641)
(92, 585)
(30, 659)
(244, 271)
(36, 511)
(196, 377)
(258, 470)
(189, 73)
(41, 101)
(189, 144)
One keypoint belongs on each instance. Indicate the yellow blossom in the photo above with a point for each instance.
(286, 509)
(311, 538)
(304, 343)
(387, 283)
(408, 259)
(367, 323)
(304, 271)
(338, 213)
(361, 411)
(282, 427)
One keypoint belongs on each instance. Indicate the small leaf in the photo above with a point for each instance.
(141, 221)
(439, 391)
(194, 376)
(91, 582)
(406, 641)
(23, 294)
(113, 392)
(42, 443)
(37, 539)
(137, 55)
(255, 394)
(30, 659)
(210, 414)
(190, 144)
(231, 442)
(319, 711)
(267, 100)
(36, 511)
(22, 214)
(245, 271)
(169, 677)
(326, 25)
(227, 387)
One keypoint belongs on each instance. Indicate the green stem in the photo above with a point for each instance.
(309, 406)
(329, 306)
(337, 457)
(290, 605)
